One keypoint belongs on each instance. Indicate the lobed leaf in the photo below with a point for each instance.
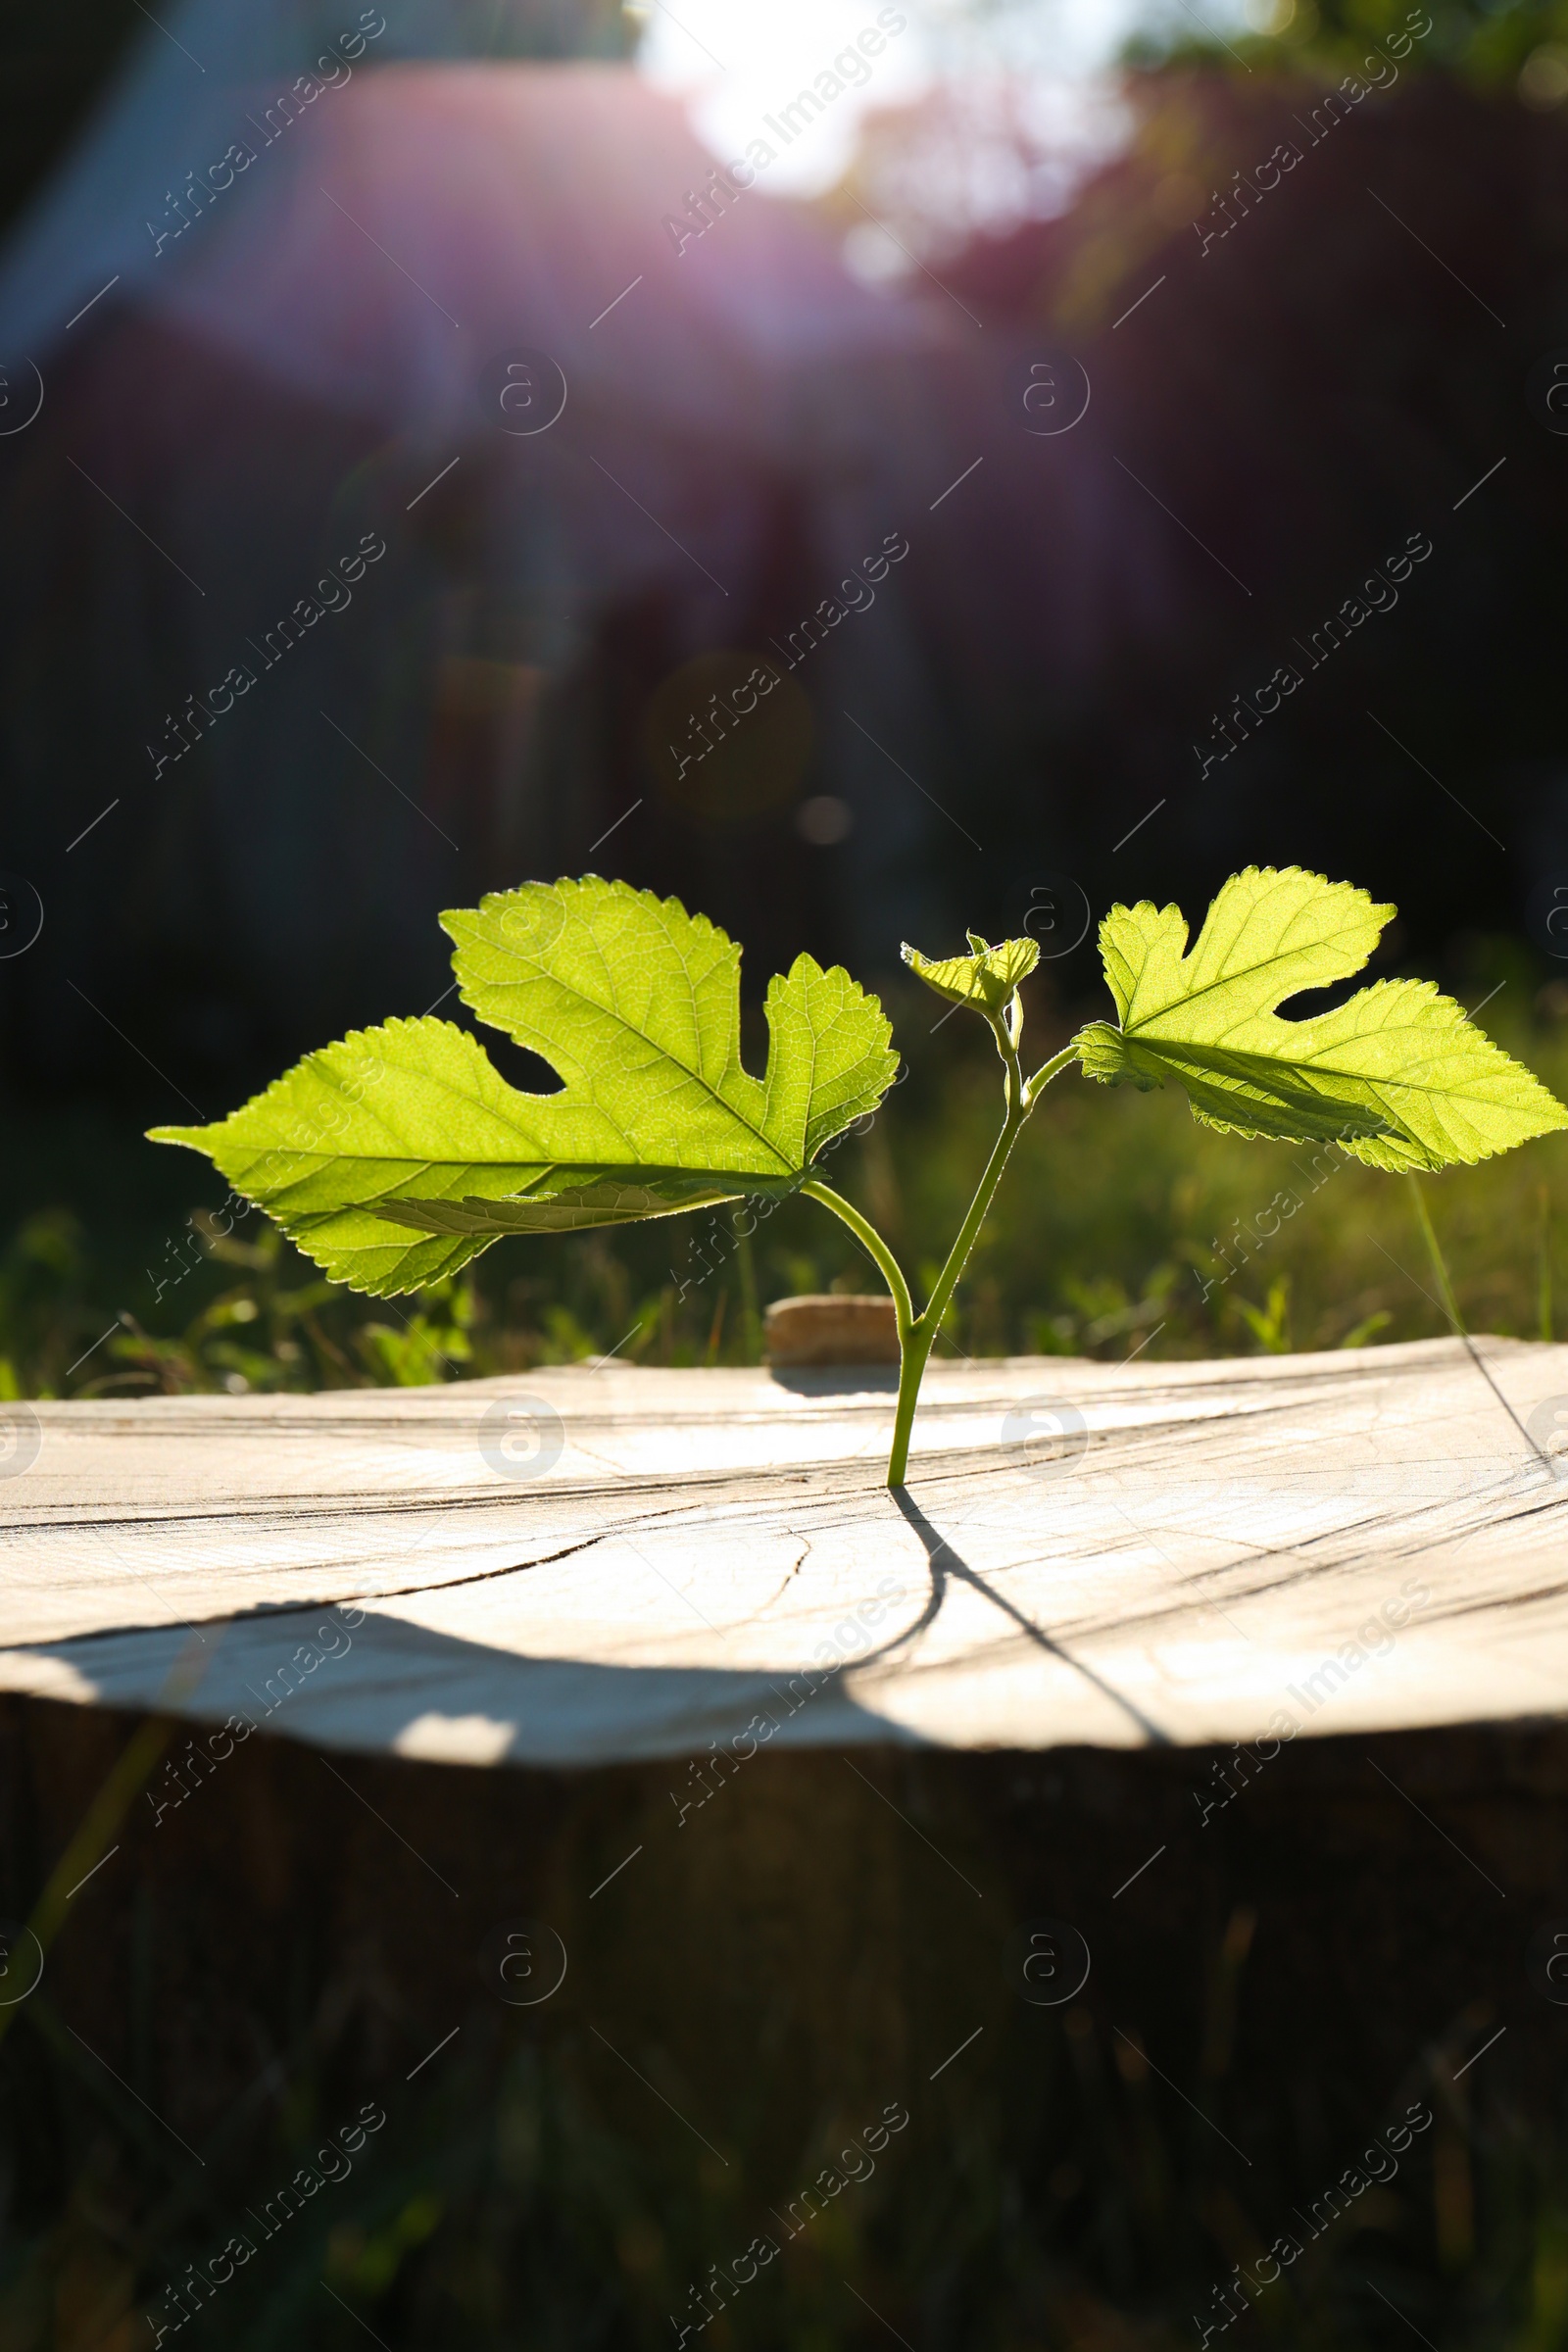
(1399, 1074)
(399, 1153)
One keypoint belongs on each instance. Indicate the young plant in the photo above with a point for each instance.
(397, 1155)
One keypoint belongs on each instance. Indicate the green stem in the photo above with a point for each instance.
(869, 1239)
(922, 1339)
(968, 1232)
(917, 1333)
(1044, 1074)
(911, 1371)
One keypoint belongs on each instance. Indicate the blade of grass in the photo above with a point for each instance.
(1450, 1305)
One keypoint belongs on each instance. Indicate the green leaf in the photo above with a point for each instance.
(1398, 1074)
(986, 979)
(398, 1154)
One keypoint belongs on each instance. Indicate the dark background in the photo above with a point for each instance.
(1265, 428)
(1275, 1989)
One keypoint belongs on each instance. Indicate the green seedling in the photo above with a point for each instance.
(397, 1155)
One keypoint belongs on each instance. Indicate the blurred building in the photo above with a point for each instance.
(433, 446)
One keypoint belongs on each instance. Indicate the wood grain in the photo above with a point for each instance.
(1086, 1553)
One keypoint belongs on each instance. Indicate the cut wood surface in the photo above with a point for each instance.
(586, 1565)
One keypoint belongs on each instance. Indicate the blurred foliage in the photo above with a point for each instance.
(1063, 2215)
(1058, 2198)
(1519, 44)
(1121, 1228)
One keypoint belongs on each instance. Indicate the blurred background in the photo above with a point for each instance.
(1129, 437)
(1129, 433)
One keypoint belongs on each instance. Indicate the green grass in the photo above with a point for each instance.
(1121, 1226)
(782, 1971)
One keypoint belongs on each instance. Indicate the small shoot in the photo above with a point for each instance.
(397, 1155)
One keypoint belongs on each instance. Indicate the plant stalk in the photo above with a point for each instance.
(913, 1360)
(917, 1333)
(866, 1234)
(922, 1337)
(1044, 1074)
